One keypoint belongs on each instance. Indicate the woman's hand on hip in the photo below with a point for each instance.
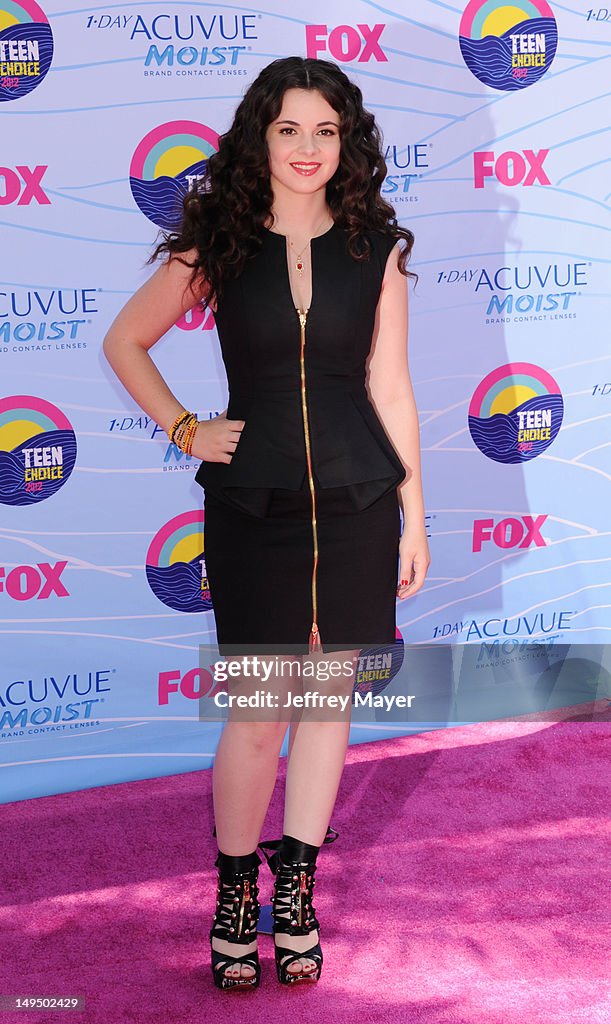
(217, 439)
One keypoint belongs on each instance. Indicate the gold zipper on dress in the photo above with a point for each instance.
(315, 641)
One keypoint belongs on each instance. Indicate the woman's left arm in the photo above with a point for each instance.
(390, 391)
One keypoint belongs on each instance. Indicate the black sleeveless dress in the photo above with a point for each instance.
(301, 528)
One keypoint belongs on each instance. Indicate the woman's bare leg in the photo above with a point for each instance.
(318, 741)
(243, 779)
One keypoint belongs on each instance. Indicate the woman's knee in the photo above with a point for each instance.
(260, 738)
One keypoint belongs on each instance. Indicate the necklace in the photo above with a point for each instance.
(299, 261)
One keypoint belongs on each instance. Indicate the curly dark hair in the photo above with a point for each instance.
(223, 218)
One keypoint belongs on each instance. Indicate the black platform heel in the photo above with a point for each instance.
(292, 908)
(235, 920)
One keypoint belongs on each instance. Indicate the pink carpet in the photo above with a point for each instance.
(468, 885)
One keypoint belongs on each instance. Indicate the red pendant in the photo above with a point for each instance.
(299, 265)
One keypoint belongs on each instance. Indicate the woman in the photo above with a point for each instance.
(292, 246)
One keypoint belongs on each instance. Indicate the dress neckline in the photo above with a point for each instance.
(313, 239)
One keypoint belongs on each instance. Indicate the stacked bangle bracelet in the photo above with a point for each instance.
(182, 431)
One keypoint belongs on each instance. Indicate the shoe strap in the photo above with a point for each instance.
(237, 907)
(288, 956)
(274, 844)
(230, 865)
(249, 959)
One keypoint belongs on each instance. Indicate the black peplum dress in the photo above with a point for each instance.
(301, 528)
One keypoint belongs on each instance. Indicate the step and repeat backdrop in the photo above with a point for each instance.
(496, 138)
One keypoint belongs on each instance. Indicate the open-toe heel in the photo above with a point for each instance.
(293, 912)
(235, 920)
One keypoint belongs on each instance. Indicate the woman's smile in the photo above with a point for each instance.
(307, 169)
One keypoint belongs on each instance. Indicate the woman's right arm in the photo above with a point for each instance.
(143, 320)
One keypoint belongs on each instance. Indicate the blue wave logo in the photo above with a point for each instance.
(515, 413)
(161, 199)
(24, 480)
(505, 49)
(26, 48)
(498, 436)
(377, 667)
(175, 565)
(169, 161)
(179, 585)
(37, 449)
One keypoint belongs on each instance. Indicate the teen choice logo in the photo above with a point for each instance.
(515, 413)
(175, 564)
(376, 667)
(508, 45)
(26, 47)
(170, 160)
(37, 449)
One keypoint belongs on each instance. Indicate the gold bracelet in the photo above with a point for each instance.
(188, 449)
(180, 429)
(183, 437)
(181, 416)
